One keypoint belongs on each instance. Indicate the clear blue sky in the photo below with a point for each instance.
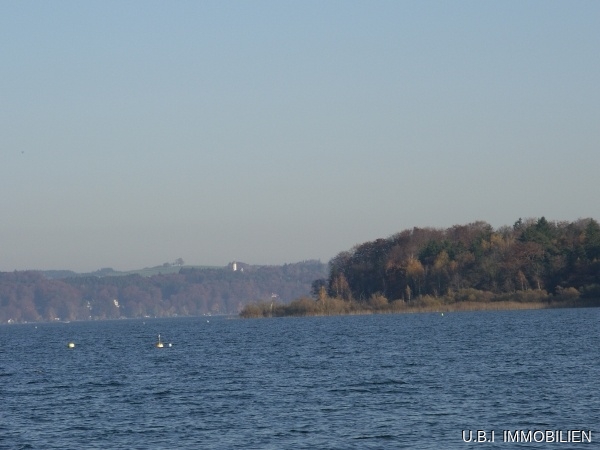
(133, 133)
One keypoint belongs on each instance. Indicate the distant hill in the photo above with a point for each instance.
(163, 291)
(58, 274)
(163, 269)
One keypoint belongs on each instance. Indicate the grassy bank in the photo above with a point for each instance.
(465, 300)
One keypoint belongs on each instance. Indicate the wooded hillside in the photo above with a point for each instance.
(30, 296)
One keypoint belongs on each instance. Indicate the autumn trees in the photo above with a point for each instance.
(534, 254)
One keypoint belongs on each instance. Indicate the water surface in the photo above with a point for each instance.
(381, 381)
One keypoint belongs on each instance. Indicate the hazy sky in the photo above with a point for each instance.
(133, 133)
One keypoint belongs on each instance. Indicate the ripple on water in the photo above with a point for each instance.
(346, 382)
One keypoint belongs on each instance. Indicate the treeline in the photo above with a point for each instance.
(534, 261)
(30, 296)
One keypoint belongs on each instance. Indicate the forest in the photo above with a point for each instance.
(29, 296)
(534, 261)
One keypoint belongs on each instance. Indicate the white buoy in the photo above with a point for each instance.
(161, 344)
(71, 345)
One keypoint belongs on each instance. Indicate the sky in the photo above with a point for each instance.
(133, 133)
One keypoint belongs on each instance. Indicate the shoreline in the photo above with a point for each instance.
(257, 311)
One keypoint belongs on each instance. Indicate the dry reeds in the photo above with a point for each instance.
(462, 300)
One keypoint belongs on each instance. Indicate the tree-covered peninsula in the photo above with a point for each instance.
(535, 263)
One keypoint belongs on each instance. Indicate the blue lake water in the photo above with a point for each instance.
(364, 382)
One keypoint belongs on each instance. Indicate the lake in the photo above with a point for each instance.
(418, 381)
